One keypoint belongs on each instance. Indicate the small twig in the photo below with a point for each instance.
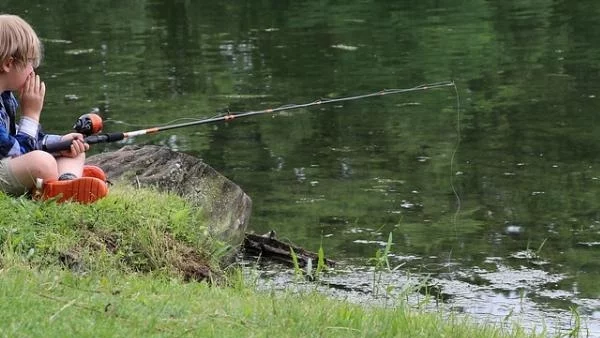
(107, 310)
(342, 328)
(75, 305)
(69, 304)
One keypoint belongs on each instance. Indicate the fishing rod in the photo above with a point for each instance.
(90, 124)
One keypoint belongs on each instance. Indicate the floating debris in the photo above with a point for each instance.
(408, 104)
(79, 51)
(71, 97)
(589, 244)
(357, 230)
(364, 241)
(56, 41)
(355, 20)
(513, 229)
(525, 254)
(405, 257)
(118, 73)
(344, 149)
(388, 180)
(409, 205)
(344, 47)
(306, 200)
(244, 96)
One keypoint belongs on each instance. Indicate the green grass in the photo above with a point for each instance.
(54, 303)
(129, 231)
(123, 268)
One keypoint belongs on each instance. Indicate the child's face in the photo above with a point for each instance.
(17, 73)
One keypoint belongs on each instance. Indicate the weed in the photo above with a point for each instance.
(381, 263)
(575, 323)
(298, 273)
(320, 260)
(539, 250)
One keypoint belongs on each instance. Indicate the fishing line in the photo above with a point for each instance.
(91, 125)
(452, 159)
(452, 175)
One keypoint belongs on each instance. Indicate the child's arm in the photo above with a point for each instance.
(32, 99)
(29, 133)
(12, 144)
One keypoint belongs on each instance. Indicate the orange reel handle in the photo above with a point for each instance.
(88, 124)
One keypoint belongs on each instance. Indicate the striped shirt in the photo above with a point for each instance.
(18, 139)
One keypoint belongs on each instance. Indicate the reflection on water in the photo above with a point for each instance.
(346, 176)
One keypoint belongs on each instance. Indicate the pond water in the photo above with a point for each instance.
(490, 189)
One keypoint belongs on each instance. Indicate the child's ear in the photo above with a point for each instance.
(7, 64)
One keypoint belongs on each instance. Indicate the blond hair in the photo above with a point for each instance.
(19, 41)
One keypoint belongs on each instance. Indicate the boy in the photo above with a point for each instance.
(23, 167)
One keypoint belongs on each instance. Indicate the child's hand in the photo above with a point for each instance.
(32, 97)
(77, 147)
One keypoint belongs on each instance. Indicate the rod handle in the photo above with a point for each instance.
(92, 139)
(104, 138)
(57, 146)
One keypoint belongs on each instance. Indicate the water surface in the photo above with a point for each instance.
(494, 196)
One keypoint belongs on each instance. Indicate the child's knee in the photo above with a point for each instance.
(36, 164)
(42, 163)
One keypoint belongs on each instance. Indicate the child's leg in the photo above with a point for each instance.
(20, 175)
(36, 164)
(71, 186)
(73, 165)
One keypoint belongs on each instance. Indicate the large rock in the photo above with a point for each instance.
(227, 205)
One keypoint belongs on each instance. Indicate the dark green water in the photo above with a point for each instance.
(526, 170)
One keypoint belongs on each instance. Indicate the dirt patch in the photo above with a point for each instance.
(192, 265)
(190, 262)
(102, 240)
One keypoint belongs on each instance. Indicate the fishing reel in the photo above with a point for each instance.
(88, 124)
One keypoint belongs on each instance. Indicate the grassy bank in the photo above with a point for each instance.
(129, 266)
(56, 303)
